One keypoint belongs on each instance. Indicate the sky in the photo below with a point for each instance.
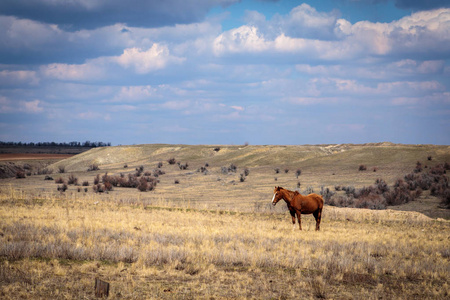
(225, 71)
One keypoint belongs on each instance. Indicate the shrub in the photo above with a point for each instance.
(177, 181)
(172, 161)
(160, 164)
(183, 167)
(418, 167)
(246, 171)
(113, 180)
(108, 186)
(158, 172)
(203, 170)
(98, 188)
(72, 180)
(143, 185)
(125, 166)
(147, 184)
(59, 180)
(62, 188)
(93, 167)
(48, 177)
(326, 193)
(298, 172)
(85, 183)
(97, 179)
(286, 171)
(400, 194)
(309, 190)
(217, 149)
(44, 171)
(349, 190)
(371, 201)
(61, 169)
(277, 170)
(242, 178)
(20, 174)
(362, 167)
(429, 157)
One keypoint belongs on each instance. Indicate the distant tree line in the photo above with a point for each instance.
(88, 144)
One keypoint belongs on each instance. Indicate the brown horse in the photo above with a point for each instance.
(298, 204)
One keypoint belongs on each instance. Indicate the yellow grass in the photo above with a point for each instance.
(54, 246)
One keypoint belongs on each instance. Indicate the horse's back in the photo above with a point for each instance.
(316, 198)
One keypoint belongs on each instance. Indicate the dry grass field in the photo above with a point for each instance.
(213, 236)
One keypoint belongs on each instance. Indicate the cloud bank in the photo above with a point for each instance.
(305, 76)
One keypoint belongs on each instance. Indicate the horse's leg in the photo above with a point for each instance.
(293, 218)
(318, 216)
(299, 217)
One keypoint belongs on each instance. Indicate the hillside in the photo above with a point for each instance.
(396, 158)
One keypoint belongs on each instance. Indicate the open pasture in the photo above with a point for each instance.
(213, 236)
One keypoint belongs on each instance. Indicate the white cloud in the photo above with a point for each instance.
(21, 77)
(73, 72)
(134, 94)
(145, 61)
(421, 32)
(31, 106)
(242, 39)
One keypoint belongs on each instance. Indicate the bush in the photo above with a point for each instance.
(158, 172)
(160, 164)
(418, 167)
(183, 167)
(362, 167)
(97, 179)
(61, 169)
(246, 172)
(62, 188)
(98, 188)
(298, 172)
(172, 161)
(48, 177)
(217, 149)
(93, 167)
(20, 174)
(277, 170)
(286, 171)
(108, 186)
(326, 193)
(147, 184)
(59, 180)
(242, 178)
(72, 180)
(44, 171)
(85, 183)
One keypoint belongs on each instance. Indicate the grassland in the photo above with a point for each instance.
(212, 236)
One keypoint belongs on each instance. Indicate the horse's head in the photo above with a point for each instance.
(277, 195)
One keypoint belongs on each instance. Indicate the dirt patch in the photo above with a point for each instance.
(31, 156)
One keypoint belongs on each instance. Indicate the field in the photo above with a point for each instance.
(212, 235)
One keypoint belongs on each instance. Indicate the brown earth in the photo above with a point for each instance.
(31, 156)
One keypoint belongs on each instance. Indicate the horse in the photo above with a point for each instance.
(299, 204)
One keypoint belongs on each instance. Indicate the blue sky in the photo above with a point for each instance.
(225, 71)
